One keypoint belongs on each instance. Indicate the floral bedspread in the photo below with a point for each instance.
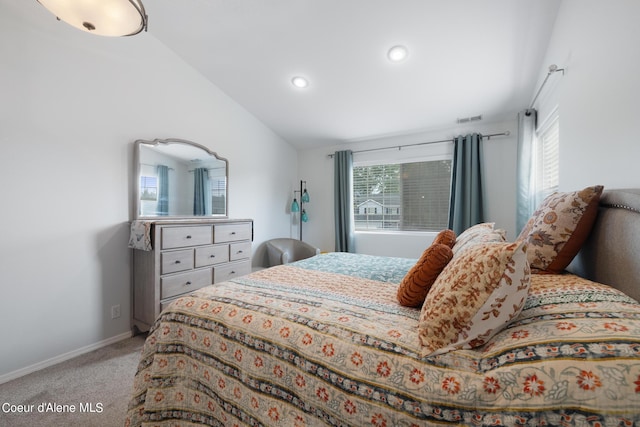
(324, 342)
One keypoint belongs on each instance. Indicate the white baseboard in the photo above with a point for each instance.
(63, 357)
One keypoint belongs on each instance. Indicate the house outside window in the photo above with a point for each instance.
(404, 196)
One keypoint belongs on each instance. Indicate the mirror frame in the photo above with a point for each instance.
(168, 141)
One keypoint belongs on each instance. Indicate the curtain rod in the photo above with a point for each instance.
(156, 165)
(400, 147)
(209, 169)
(553, 68)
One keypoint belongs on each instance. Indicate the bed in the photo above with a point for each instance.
(323, 341)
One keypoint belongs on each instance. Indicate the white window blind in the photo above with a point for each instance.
(547, 156)
(218, 194)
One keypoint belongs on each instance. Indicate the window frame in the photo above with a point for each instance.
(438, 152)
(145, 180)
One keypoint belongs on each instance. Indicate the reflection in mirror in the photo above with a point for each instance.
(179, 178)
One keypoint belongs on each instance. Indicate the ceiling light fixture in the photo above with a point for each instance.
(397, 53)
(102, 17)
(300, 82)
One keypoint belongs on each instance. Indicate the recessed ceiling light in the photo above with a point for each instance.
(397, 53)
(300, 82)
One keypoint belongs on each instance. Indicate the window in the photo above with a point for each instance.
(218, 194)
(148, 194)
(148, 187)
(546, 161)
(410, 196)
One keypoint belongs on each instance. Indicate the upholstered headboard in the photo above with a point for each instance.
(611, 254)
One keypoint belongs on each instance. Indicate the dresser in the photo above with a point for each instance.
(185, 255)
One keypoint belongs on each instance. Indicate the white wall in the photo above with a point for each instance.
(597, 99)
(317, 169)
(72, 105)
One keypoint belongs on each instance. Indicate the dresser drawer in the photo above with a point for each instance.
(240, 250)
(231, 232)
(174, 261)
(179, 237)
(231, 270)
(209, 255)
(177, 284)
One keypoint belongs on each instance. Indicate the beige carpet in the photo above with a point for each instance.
(99, 381)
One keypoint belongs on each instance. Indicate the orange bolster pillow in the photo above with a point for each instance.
(416, 284)
(445, 237)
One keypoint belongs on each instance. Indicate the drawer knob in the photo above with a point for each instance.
(232, 272)
(212, 256)
(189, 236)
(233, 233)
(177, 261)
(240, 251)
(188, 283)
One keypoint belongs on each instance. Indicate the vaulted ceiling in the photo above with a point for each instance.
(466, 58)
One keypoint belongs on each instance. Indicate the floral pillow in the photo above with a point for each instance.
(559, 227)
(479, 233)
(478, 293)
(416, 284)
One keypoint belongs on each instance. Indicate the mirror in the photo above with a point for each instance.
(179, 178)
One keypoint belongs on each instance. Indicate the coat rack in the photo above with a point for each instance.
(299, 207)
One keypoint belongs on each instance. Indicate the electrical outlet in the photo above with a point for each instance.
(115, 311)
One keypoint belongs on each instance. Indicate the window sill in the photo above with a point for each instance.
(398, 233)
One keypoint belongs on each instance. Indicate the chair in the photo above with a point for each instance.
(285, 250)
